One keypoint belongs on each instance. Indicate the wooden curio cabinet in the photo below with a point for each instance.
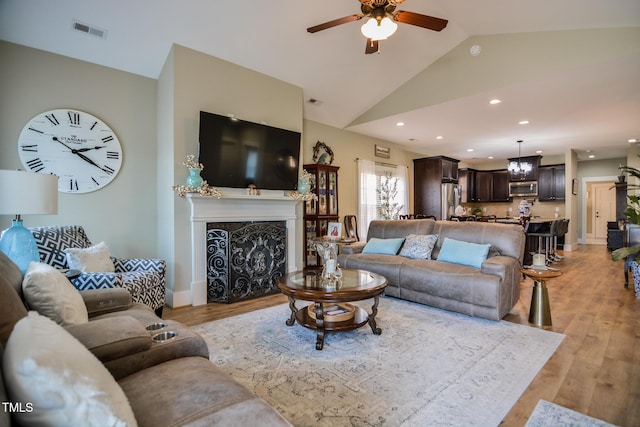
(319, 213)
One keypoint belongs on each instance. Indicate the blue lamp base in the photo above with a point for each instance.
(19, 245)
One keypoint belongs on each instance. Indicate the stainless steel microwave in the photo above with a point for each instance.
(523, 188)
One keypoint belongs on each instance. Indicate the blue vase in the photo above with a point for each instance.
(19, 245)
(303, 186)
(194, 179)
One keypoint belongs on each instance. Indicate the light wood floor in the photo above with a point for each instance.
(596, 369)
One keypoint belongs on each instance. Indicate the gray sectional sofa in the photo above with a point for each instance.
(489, 291)
(108, 370)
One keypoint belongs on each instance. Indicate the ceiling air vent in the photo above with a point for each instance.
(88, 29)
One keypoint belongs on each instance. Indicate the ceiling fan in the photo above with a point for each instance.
(381, 14)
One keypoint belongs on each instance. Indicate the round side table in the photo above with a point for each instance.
(540, 311)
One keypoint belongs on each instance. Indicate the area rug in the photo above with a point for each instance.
(428, 368)
(547, 414)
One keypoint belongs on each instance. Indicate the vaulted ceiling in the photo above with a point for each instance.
(571, 68)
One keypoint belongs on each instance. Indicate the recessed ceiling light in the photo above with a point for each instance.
(592, 156)
(400, 124)
(439, 137)
(538, 151)
(632, 140)
(469, 150)
(495, 101)
(523, 122)
(490, 157)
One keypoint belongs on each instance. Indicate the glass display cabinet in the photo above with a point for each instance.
(319, 213)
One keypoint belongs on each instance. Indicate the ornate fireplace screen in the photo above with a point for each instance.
(245, 259)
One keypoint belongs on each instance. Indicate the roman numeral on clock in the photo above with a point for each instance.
(113, 155)
(52, 119)
(93, 125)
(107, 138)
(35, 130)
(94, 181)
(36, 164)
(108, 170)
(32, 147)
(74, 118)
(73, 184)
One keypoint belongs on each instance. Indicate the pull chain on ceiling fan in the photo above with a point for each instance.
(382, 20)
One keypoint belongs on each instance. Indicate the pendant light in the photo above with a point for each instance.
(519, 167)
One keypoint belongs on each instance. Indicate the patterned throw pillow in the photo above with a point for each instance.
(418, 246)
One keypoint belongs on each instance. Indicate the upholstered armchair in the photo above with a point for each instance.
(143, 278)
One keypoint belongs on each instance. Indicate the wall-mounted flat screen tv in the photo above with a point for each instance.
(236, 153)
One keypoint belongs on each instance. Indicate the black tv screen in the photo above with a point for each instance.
(237, 153)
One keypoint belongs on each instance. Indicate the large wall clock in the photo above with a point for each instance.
(79, 148)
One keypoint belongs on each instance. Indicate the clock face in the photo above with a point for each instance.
(79, 148)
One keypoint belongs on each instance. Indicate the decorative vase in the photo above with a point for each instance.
(524, 209)
(303, 186)
(194, 179)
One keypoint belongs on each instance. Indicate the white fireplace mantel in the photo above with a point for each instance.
(236, 207)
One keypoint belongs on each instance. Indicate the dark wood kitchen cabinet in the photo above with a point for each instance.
(551, 183)
(484, 186)
(428, 175)
(500, 186)
(467, 181)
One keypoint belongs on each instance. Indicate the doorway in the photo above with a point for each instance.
(600, 209)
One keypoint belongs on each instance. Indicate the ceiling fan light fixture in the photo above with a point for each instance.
(379, 31)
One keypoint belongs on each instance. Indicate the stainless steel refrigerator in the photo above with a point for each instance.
(451, 198)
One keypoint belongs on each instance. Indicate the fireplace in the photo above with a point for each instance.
(237, 207)
(245, 259)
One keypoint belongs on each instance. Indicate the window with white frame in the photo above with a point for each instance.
(382, 192)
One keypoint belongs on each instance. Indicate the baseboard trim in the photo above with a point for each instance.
(178, 299)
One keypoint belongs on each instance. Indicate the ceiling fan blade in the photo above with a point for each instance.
(372, 46)
(334, 23)
(424, 21)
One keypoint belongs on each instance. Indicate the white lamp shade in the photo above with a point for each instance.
(373, 31)
(23, 193)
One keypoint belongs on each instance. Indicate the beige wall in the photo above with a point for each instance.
(189, 83)
(347, 147)
(123, 214)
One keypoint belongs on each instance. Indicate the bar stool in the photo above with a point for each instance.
(562, 230)
(547, 235)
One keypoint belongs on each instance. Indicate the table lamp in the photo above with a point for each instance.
(25, 193)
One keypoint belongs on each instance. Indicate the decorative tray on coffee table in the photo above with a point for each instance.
(334, 312)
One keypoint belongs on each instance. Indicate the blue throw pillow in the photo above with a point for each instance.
(465, 253)
(383, 246)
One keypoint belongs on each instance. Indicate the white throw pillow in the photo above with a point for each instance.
(94, 259)
(63, 382)
(50, 293)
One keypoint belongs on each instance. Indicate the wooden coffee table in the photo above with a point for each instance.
(322, 315)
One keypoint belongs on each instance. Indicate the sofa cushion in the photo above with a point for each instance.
(383, 246)
(418, 246)
(465, 253)
(50, 293)
(193, 391)
(13, 308)
(95, 258)
(45, 366)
